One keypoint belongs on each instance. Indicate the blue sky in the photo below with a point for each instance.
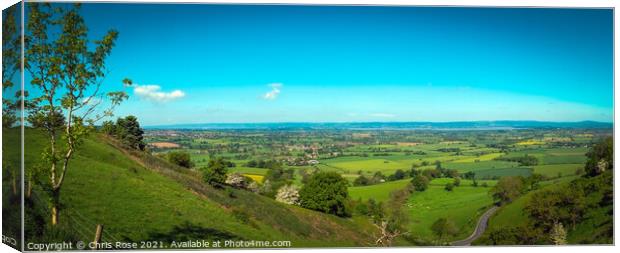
(233, 63)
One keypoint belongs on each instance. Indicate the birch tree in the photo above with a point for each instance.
(67, 72)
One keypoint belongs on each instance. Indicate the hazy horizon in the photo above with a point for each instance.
(380, 122)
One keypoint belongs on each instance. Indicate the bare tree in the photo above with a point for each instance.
(386, 235)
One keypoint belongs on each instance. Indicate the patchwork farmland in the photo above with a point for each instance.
(380, 164)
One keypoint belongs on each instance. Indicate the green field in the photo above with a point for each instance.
(478, 166)
(167, 200)
(368, 165)
(555, 170)
(548, 156)
(486, 157)
(491, 173)
(464, 182)
(563, 159)
(380, 192)
(248, 170)
(463, 206)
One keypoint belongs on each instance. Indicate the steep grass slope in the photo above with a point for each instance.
(139, 197)
(595, 227)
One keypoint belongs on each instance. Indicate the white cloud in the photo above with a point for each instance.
(275, 91)
(382, 115)
(152, 92)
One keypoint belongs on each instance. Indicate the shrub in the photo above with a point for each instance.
(451, 173)
(469, 175)
(267, 188)
(254, 187)
(375, 210)
(600, 157)
(507, 189)
(378, 177)
(431, 173)
(526, 160)
(398, 175)
(444, 227)
(180, 158)
(457, 181)
(474, 183)
(558, 234)
(108, 128)
(326, 192)
(215, 172)
(533, 181)
(238, 181)
(279, 174)
(288, 194)
(449, 187)
(361, 181)
(361, 208)
(420, 183)
(521, 235)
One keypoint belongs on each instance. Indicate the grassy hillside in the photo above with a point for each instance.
(139, 197)
(11, 190)
(462, 206)
(592, 229)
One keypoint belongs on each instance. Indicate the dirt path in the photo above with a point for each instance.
(480, 228)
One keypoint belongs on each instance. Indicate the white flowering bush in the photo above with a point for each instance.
(254, 187)
(288, 194)
(237, 180)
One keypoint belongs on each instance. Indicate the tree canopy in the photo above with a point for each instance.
(326, 192)
(180, 158)
(444, 227)
(420, 183)
(67, 71)
(600, 157)
(507, 189)
(215, 172)
(128, 130)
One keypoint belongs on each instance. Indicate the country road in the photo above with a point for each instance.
(480, 228)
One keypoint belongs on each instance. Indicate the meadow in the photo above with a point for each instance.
(462, 206)
(168, 201)
(378, 192)
(487, 155)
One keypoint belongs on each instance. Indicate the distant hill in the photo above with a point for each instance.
(456, 125)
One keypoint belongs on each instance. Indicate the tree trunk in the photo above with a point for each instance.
(98, 233)
(29, 190)
(55, 206)
(54, 215)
